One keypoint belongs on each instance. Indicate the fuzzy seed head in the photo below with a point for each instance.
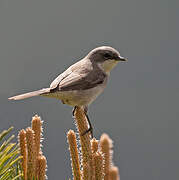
(114, 173)
(37, 128)
(31, 160)
(94, 145)
(41, 167)
(86, 152)
(23, 151)
(106, 146)
(72, 141)
(98, 166)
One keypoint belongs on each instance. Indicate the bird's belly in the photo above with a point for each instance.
(78, 97)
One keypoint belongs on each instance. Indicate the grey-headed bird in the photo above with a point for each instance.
(83, 81)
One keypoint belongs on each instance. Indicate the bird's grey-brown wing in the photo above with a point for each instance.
(80, 78)
(82, 81)
(77, 67)
(57, 80)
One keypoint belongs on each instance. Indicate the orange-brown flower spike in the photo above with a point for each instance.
(98, 166)
(41, 167)
(106, 145)
(37, 128)
(114, 173)
(85, 171)
(94, 145)
(31, 154)
(94, 149)
(74, 155)
(82, 126)
(23, 151)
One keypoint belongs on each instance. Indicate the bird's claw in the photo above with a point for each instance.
(87, 131)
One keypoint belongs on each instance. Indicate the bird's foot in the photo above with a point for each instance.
(90, 126)
(87, 131)
(73, 111)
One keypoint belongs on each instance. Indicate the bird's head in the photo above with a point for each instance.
(105, 57)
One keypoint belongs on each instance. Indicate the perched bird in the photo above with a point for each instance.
(83, 81)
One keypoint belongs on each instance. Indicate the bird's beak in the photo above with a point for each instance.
(120, 58)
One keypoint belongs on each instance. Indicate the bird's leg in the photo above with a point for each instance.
(73, 111)
(90, 125)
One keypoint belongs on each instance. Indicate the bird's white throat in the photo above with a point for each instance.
(108, 65)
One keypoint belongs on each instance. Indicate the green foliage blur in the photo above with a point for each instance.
(10, 168)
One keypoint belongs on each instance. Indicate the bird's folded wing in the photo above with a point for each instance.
(57, 80)
(81, 81)
(72, 69)
(76, 81)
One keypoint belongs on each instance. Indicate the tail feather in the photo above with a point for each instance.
(30, 94)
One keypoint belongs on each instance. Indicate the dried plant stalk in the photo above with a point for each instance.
(94, 145)
(33, 162)
(23, 151)
(82, 126)
(31, 154)
(106, 145)
(114, 173)
(41, 166)
(37, 128)
(94, 149)
(86, 173)
(98, 166)
(74, 155)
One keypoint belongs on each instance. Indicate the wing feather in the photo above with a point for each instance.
(78, 77)
(57, 80)
(82, 81)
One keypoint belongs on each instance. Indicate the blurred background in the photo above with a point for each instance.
(139, 109)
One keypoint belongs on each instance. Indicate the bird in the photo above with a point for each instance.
(82, 82)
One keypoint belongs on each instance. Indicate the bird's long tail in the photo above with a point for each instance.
(30, 94)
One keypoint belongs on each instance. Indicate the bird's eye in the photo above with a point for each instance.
(107, 55)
